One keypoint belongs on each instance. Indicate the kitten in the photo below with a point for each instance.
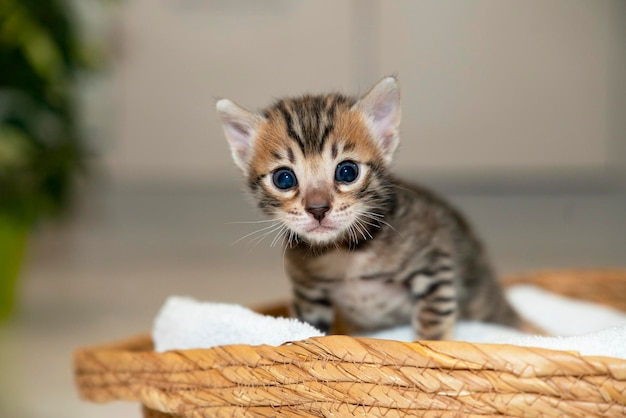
(362, 245)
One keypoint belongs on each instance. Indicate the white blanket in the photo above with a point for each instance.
(591, 329)
(184, 323)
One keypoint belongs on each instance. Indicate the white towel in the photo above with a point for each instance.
(184, 323)
(609, 342)
(585, 327)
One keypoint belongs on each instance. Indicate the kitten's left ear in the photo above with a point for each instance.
(381, 108)
(240, 128)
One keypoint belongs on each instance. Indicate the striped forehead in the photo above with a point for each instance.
(309, 128)
(308, 121)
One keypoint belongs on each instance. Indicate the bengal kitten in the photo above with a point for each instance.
(361, 244)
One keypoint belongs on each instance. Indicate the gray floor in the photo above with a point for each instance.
(104, 274)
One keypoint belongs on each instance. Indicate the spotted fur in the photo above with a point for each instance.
(374, 251)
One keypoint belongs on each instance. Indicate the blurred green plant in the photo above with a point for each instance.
(42, 150)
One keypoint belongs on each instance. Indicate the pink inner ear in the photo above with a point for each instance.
(239, 137)
(386, 117)
(381, 106)
(384, 109)
(238, 134)
(239, 127)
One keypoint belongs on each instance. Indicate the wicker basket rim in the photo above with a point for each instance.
(305, 378)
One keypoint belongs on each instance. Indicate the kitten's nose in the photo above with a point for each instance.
(318, 212)
(317, 203)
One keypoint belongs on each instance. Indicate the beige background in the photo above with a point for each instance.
(514, 110)
(489, 88)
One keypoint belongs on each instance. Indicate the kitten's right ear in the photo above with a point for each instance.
(240, 127)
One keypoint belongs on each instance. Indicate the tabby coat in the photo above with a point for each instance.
(360, 244)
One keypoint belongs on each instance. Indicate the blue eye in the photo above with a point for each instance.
(284, 179)
(346, 172)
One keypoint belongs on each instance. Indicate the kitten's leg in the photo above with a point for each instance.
(435, 300)
(312, 305)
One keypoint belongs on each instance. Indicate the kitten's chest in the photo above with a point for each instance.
(364, 295)
(339, 266)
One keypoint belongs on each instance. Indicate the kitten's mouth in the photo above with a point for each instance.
(320, 229)
(320, 234)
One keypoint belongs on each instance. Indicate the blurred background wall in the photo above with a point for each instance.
(525, 90)
(514, 110)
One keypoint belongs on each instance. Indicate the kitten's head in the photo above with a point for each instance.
(319, 163)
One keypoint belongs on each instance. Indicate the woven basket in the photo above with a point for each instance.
(345, 376)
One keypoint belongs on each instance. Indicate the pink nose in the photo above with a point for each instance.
(318, 212)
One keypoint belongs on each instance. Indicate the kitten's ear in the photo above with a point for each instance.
(240, 127)
(381, 108)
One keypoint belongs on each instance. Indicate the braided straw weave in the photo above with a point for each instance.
(345, 376)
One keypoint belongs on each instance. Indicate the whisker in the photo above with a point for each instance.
(406, 189)
(285, 237)
(276, 223)
(357, 225)
(364, 228)
(353, 234)
(258, 240)
(378, 218)
(359, 214)
(372, 214)
(369, 223)
(283, 230)
(251, 222)
(349, 235)
(284, 263)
